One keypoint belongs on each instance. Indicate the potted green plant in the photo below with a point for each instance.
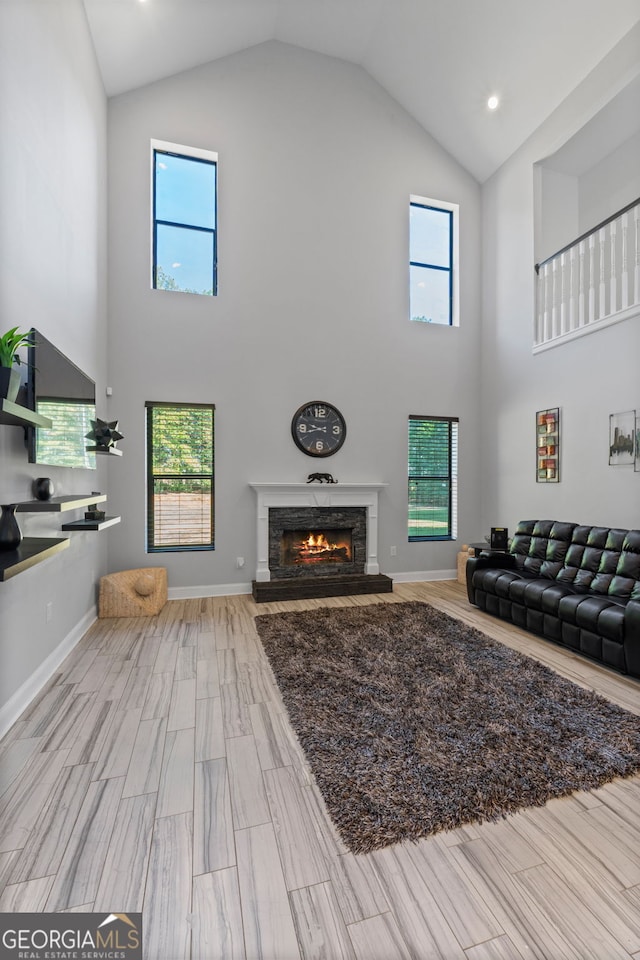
(10, 343)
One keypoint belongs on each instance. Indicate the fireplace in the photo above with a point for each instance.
(341, 518)
(316, 541)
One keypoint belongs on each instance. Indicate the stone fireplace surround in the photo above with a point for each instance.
(316, 495)
(284, 519)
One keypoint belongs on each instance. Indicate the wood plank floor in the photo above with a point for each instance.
(157, 772)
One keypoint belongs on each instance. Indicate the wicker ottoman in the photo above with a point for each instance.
(133, 593)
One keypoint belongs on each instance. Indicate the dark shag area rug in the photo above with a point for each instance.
(413, 722)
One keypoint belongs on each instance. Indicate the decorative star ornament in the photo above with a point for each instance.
(105, 433)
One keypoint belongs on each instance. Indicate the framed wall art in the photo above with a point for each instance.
(636, 453)
(622, 434)
(548, 445)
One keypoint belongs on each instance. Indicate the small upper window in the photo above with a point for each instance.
(184, 219)
(433, 260)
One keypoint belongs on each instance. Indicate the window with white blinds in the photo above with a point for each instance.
(433, 478)
(180, 477)
(64, 443)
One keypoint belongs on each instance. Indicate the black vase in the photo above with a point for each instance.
(10, 535)
(43, 488)
(9, 383)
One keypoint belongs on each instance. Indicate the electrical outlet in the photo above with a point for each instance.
(239, 562)
(394, 551)
(49, 612)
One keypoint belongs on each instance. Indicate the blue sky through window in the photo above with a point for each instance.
(430, 236)
(185, 196)
(430, 296)
(430, 272)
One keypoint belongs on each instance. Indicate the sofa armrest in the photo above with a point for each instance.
(495, 561)
(632, 637)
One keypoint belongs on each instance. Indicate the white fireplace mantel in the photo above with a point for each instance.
(316, 495)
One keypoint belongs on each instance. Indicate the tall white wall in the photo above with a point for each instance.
(588, 379)
(316, 167)
(559, 220)
(52, 276)
(611, 184)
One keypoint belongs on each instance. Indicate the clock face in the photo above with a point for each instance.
(318, 429)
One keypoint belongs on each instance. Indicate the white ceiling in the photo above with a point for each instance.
(440, 59)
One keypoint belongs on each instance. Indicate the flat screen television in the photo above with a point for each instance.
(57, 388)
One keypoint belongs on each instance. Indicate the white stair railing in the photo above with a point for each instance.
(591, 282)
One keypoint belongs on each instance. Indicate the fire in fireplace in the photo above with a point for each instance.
(313, 547)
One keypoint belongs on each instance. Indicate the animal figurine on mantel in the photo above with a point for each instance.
(321, 478)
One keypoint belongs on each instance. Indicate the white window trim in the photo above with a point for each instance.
(165, 146)
(454, 208)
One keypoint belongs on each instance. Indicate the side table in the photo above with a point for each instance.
(479, 548)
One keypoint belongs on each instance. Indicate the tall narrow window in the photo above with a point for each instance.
(433, 478)
(184, 219)
(180, 501)
(433, 256)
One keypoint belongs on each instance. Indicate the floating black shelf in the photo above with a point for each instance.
(59, 504)
(112, 451)
(15, 415)
(31, 551)
(91, 524)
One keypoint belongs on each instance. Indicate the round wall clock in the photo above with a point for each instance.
(318, 428)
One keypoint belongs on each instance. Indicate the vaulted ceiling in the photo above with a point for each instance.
(440, 59)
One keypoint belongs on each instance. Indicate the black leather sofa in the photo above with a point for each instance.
(576, 585)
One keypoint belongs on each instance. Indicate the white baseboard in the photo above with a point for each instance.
(237, 589)
(21, 699)
(210, 590)
(421, 576)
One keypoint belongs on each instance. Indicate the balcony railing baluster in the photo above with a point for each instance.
(589, 283)
(636, 273)
(624, 286)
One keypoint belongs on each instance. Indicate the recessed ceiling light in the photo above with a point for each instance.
(493, 102)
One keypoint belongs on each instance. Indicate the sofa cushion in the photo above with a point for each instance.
(622, 587)
(597, 537)
(517, 588)
(594, 558)
(601, 583)
(598, 615)
(631, 542)
(568, 607)
(626, 582)
(616, 539)
(540, 547)
(494, 581)
(533, 594)
(602, 617)
(553, 595)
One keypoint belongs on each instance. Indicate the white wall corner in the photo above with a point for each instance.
(21, 699)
